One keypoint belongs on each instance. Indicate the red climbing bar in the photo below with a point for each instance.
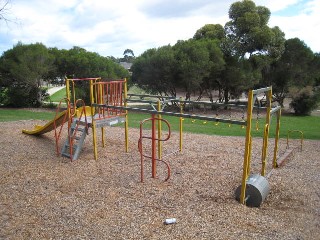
(154, 140)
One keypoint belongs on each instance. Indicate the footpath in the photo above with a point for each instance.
(54, 89)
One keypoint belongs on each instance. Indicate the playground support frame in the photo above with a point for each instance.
(252, 96)
(97, 91)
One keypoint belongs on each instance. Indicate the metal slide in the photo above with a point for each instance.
(38, 129)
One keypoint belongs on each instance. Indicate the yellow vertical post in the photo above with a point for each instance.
(266, 133)
(74, 95)
(276, 141)
(100, 97)
(67, 88)
(68, 98)
(94, 135)
(181, 124)
(247, 153)
(159, 130)
(126, 124)
(264, 149)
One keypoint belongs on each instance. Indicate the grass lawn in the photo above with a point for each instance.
(57, 96)
(7, 114)
(310, 125)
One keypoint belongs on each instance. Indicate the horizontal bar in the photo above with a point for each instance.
(273, 110)
(209, 103)
(141, 101)
(109, 82)
(261, 90)
(187, 102)
(82, 79)
(146, 95)
(200, 117)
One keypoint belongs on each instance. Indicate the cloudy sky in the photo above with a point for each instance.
(108, 27)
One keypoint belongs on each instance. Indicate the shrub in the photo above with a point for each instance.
(305, 100)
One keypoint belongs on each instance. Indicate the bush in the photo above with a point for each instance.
(305, 100)
(4, 96)
(23, 95)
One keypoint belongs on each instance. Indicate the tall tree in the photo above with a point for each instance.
(293, 69)
(22, 69)
(249, 40)
(210, 31)
(128, 56)
(154, 70)
(194, 64)
(4, 10)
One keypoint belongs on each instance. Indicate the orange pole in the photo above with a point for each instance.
(153, 147)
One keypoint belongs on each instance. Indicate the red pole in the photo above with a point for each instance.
(153, 147)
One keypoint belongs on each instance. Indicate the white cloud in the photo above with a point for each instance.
(110, 27)
(276, 5)
(303, 26)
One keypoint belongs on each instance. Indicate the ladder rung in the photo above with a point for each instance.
(76, 137)
(79, 129)
(65, 155)
(74, 147)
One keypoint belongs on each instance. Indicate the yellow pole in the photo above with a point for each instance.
(100, 94)
(159, 130)
(94, 135)
(266, 133)
(181, 125)
(67, 88)
(126, 124)
(264, 150)
(276, 141)
(249, 155)
(68, 97)
(246, 161)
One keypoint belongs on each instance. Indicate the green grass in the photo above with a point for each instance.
(61, 94)
(57, 96)
(134, 89)
(7, 115)
(309, 125)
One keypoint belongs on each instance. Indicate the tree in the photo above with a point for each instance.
(293, 69)
(247, 31)
(304, 100)
(210, 31)
(4, 6)
(154, 71)
(5, 13)
(22, 69)
(194, 64)
(80, 63)
(250, 45)
(128, 56)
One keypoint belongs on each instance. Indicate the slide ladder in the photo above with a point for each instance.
(73, 144)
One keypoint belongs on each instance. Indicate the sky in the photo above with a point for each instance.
(109, 27)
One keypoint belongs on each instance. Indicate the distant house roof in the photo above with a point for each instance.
(126, 65)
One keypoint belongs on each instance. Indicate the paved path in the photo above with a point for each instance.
(54, 89)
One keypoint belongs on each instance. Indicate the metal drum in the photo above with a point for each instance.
(257, 189)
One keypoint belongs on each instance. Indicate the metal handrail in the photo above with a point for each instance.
(58, 135)
(301, 137)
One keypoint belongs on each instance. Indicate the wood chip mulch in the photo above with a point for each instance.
(43, 196)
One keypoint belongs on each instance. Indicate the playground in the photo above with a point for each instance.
(44, 196)
(111, 185)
